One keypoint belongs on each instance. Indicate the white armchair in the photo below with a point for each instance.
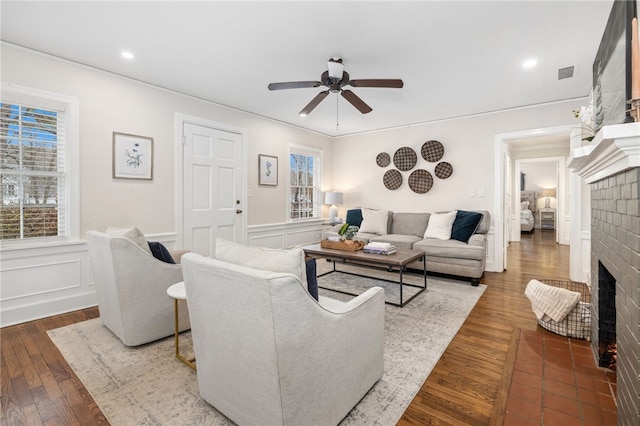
(131, 288)
(268, 353)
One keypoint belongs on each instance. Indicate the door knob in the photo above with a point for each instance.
(238, 211)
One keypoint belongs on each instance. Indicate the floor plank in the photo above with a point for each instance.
(466, 387)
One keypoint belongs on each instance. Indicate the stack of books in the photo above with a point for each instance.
(379, 248)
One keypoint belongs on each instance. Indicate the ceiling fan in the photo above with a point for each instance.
(335, 78)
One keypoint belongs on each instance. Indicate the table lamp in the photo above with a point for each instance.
(333, 198)
(548, 192)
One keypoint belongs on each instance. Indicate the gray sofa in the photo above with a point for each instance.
(450, 257)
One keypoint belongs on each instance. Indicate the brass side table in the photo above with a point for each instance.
(178, 293)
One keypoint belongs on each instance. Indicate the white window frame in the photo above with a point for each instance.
(13, 94)
(311, 152)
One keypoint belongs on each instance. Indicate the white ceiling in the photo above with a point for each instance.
(456, 58)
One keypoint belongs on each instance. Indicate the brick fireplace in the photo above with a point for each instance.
(611, 167)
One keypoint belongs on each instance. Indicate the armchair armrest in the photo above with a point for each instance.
(337, 307)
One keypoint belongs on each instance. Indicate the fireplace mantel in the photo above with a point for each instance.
(614, 149)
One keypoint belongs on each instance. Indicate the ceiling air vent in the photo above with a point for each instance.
(565, 73)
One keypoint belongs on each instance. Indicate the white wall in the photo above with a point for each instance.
(469, 147)
(47, 280)
(540, 175)
(110, 103)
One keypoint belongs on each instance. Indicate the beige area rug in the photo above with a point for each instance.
(148, 385)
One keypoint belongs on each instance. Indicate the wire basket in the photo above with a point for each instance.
(577, 323)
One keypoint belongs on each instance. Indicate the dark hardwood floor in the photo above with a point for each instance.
(469, 385)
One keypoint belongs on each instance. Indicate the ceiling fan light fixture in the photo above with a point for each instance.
(335, 68)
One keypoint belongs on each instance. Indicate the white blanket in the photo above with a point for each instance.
(554, 302)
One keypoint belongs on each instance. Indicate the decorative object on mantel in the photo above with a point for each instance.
(635, 72)
(586, 115)
(405, 158)
(420, 181)
(132, 156)
(432, 151)
(443, 170)
(383, 159)
(392, 179)
(612, 80)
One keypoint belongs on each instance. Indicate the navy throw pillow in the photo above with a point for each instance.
(160, 252)
(465, 225)
(354, 217)
(312, 279)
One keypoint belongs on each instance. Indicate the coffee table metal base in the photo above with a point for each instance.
(400, 282)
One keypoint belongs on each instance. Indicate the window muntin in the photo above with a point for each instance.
(305, 165)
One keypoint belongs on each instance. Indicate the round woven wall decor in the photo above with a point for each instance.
(383, 159)
(443, 170)
(420, 181)
(392, 179)
(405, 158)
(432, 151)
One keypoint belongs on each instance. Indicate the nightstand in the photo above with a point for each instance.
(547, 218)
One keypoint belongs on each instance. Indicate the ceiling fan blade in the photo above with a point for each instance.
(356, 101)
(391, 83)
(314, 103)
(294, 85)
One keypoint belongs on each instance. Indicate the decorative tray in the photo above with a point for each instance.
(342, 245)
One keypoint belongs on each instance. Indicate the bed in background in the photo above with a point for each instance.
(528, 201)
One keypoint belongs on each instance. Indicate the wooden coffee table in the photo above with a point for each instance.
(396, 261)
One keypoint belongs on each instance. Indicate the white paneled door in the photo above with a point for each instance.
(212, 184)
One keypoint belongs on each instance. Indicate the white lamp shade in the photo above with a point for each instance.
(333, 198)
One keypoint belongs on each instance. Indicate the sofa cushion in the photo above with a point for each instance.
(465, 225)
(400, 241)
(450, 248)
(354, 217)
(267, 259)
(440, 225)
(485, 223)
(160, 252)
(409, 223)
(312, 277)
(374, 221)
(133, 233)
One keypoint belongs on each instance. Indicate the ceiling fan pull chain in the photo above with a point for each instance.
(337, 112)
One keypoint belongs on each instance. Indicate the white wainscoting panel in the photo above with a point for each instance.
(40, 281)
(490, 258)
(285, 235)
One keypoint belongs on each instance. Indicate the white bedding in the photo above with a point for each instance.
(526, 217)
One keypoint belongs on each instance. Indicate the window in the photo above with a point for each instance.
(34, 165)
(305, 165)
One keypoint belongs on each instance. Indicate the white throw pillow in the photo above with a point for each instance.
(133, 234)
(374, 221)
(266, 259)
(524, 205)
(440, 225)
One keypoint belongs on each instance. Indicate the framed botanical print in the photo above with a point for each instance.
(268, 170)
(132, 156)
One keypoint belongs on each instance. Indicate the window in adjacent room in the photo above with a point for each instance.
(305, 165)
(35, 145)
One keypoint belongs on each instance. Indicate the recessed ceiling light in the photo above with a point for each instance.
(128, 55)
(529, 63)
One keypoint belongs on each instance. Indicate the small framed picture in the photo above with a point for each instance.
(268, 170)
(132, 156)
